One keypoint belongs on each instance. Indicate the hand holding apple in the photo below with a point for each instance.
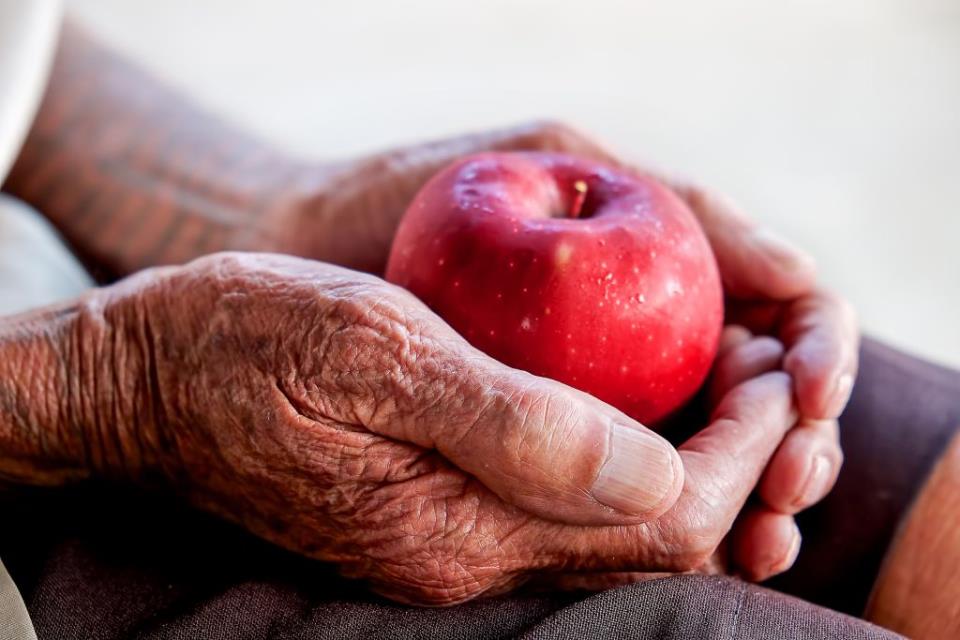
(348, 214)
(570, 269)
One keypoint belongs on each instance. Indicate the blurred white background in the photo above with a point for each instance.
(836, 122)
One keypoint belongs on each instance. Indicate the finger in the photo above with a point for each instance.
(756, 316)
(727, 458)
(805, 467)
(738, 364)
(538, 444)
(733, 335)
(822, 339)
(722, 465)
(753, 261)
(764, 543)
(420, 162)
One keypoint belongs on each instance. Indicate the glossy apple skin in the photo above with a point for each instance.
(623, 302)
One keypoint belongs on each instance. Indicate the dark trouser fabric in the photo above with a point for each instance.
(97, 563)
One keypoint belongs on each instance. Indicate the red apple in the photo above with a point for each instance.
(570, 269)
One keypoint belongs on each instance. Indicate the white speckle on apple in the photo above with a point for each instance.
(441, 262)
(623, 368)
(673, 288)
(525, 324)
(562, 254)
(609, 276)
(546, 311)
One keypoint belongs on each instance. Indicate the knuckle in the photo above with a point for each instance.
(694, 552)
(694, 535)
(701, 198)
(372, 349)
(843, 307)
(554, 135)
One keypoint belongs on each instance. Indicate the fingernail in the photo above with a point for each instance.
(792, 553)
(816, 481)
(841, 395)
(786, 254)
(639, 472)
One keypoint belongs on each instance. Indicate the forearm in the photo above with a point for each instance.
(917, 592)
(134, 175)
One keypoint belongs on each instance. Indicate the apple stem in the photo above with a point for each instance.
(577, 207)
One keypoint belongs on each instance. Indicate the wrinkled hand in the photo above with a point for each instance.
(771, 289)
(333, 414)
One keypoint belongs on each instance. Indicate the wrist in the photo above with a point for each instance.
(70, 403)
(288, 214)
(346, 213)
(41, 427)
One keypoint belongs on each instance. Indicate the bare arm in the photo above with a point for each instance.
(134, 175)
(917, 593)
(42, 407)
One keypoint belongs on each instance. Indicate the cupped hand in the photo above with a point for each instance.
(771, 290)
(333, 414)
(347, 214)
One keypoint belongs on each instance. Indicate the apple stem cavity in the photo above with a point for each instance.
(579, 199)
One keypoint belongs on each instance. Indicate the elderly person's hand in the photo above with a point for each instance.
(349, 213)
(333, 414)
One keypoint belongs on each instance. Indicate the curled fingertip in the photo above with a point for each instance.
(793, 551)
(840, 396)
(819, 478)
(733, 336)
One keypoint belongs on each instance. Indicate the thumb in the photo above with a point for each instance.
(557, 452)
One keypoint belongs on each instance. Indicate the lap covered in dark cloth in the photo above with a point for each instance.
(96, 563)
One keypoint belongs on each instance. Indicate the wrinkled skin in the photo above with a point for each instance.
(322, 409)
(771, 291)
(333, 414)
